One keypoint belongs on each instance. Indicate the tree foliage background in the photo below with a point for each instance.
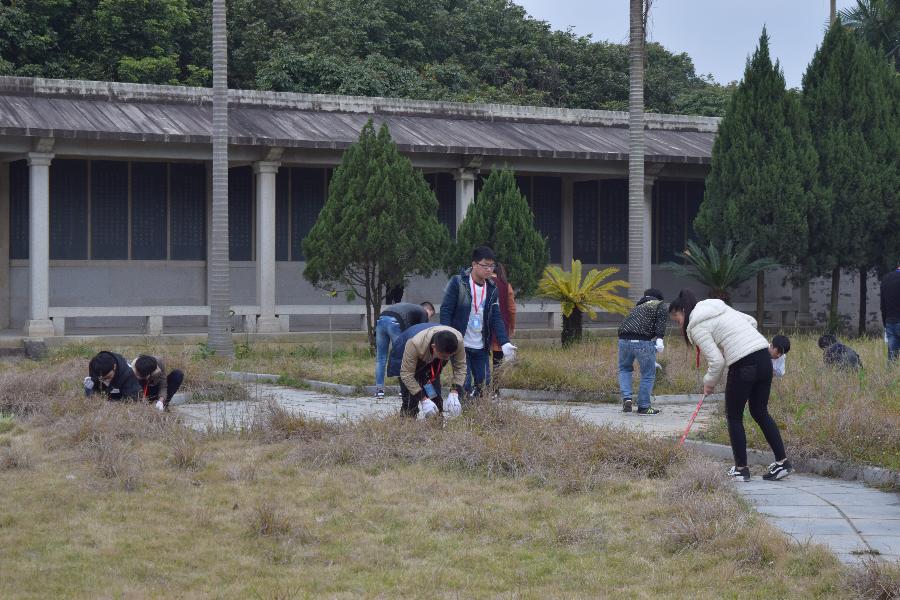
(501, 218)
(379, 225)
(462, 50)
(762, 185)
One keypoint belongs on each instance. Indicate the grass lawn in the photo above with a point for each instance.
(109, 500)
(822, 412)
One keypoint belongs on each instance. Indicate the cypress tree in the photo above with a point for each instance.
(850, 94)
(378, 225)
(761, 185)
(501, 218)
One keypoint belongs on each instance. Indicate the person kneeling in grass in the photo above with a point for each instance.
(729, 338)
(110, 375)
(158, 388)
(418, 359)
(836, 354)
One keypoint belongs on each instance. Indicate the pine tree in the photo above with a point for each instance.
(501, 218)
(761, 187)
(850, 94)
(378, 226)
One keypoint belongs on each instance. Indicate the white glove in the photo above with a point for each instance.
(160, 406)
(452, 407)
(659, 345)
(88, 383)
(427, 408)
(509, 351)
(885, 338)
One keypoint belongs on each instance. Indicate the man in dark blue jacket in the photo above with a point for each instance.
(890, 312)
(472, 307)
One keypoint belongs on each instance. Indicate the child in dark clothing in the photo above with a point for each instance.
(157, 387)
(838, 355)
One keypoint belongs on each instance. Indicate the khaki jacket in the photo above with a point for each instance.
(417, 355)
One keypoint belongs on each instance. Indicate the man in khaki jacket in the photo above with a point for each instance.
(418, 358)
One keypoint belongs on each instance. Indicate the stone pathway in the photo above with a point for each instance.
(670, 421)
(851, 518)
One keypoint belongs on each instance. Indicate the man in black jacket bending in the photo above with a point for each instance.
(394, 320)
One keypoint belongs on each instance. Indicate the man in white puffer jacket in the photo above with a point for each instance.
(729, 340)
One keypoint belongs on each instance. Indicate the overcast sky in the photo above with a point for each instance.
(717, 34)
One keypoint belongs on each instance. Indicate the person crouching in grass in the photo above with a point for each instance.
(157, 387)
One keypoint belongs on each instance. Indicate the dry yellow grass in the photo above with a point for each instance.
(496, 504)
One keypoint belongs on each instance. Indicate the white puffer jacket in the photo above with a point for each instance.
(724, 336)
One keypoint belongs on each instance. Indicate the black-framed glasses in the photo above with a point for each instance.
(487, 267)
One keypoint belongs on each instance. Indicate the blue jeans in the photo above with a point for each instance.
(478, 370)
(387, 330)
(645, 354)
(893, 336)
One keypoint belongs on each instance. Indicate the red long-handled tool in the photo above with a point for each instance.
(691, 422)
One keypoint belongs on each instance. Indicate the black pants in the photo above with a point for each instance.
(750, 380)
(409, 403)
(173, 384)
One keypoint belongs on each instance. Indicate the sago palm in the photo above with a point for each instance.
(577, 296)
(720, 271)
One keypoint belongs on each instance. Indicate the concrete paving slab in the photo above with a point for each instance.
(800, 526)
(886, 544)
(813, 512)
(886, 527)
(878, 511)
(784, 500)
(839, 543)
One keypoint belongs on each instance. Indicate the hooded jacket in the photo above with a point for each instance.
(724, 335)
(124, 384)
(457, 305)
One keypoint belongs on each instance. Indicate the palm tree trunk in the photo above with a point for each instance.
(863, 299)
(219, 335)
(760, 299)
(572, 328)
(637, 211)
(832, 325)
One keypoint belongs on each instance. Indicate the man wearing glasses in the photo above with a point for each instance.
(472, 307)
(110, 375)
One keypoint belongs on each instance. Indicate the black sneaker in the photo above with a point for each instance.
(778, 470)
(626, 405)
(739, 474)
(648, 411)
(379, 394)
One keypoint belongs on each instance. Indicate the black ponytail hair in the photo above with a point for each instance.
(685, 302)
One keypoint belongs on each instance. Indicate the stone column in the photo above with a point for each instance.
(39, 324)
(465, 192)
(4, 246)
(640, 240)
(568, 223)
(265, 245)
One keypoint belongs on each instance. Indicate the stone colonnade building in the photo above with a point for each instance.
(105, 193)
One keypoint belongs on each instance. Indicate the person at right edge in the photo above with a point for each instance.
(727, 337)
(890, 312)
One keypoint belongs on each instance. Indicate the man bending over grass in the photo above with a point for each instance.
(157, 387)
(110, 375)
(418, 359)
